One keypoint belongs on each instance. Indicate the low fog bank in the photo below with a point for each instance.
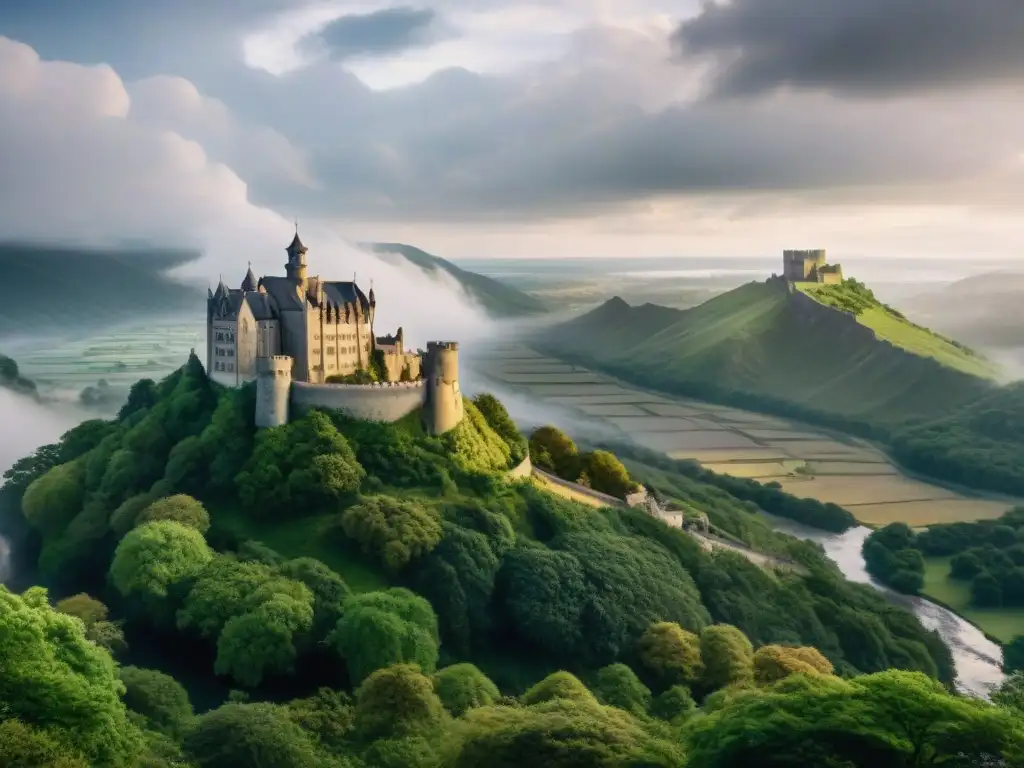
(28, 425)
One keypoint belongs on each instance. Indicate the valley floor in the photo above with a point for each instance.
(804, 460)
(1001, 623)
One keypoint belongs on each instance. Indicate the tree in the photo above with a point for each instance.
(674, 705)
(159, 698)
(462, 687)
(965, 566)
(607, 474)
(986, 591)
(155, 556)
(24, 746)
(558, 685)
(260, 642)
(727, 655)
(123, 518)
(553, 450)
(179, 508)
(497, 417)
(328, 588)
(244, 735)
(618, 686)
(671, 653)
(1013, 655)
(396, 701)
(51, 501)
(1010, 694)
(394, 530)
(56, 680)
(379, 629)
(327, 715)
(776, 662)
(93, 614)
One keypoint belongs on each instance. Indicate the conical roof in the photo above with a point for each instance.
(249, 283)
(296, 245)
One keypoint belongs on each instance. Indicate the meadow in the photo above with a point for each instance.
(1001, 623)
(804, 460)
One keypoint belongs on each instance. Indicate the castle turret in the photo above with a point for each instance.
(295, 269)
(273, 388)
(442, 408)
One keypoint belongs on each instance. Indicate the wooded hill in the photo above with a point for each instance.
(378, 597)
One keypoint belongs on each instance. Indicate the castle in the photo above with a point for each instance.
(299, 338)
(810, 267)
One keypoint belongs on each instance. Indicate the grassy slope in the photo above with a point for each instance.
(1002, 623)
(755, 341)
(915, 339)
(498, 299)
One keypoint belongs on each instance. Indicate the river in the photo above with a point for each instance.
(978, 659)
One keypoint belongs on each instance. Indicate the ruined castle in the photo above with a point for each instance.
(299, 337)
(810, 267)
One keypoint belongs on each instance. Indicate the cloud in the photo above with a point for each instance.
(80, 166)
(379, 33)
(858, 46)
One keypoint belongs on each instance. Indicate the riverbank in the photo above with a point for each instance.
(1000, 625)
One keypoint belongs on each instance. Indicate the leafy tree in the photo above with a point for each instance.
(328, 588)
(155, 556)
(394, 530)
(965, 566)
(560, 734)
(51, 501)
(473, 447)
(93, 614)
(244, 735)
(179, 508)
(141, 397)
(618, 686)
(227, 440)
(888, 718)
(727, 655)
(674, 705)
(54, 679)
(558, 685)
(462, 687)
(396, 701)
(986, 591)
(671, 653)
(379, 629)
(1013, 655)
(158, 698)
(328, 716)
(186, 468)
(24, 746)
(261, 641)
(1010, 694)
(775, 662)
(553, 450)
(123, 518)
(607, 474)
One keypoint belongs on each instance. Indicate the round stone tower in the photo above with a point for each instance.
(273, 388)
(442, 407)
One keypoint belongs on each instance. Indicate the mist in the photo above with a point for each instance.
(28, 425)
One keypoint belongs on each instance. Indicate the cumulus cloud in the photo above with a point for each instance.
(382, 32)
(859, 46)
(80, 167)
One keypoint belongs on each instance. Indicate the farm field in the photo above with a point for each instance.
(1002, 623)
(806, 461)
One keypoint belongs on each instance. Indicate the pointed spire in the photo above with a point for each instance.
(249, 283)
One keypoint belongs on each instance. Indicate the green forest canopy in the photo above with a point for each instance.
(551, 615)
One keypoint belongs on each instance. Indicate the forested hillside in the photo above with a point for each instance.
(761, 347)
(377, 597)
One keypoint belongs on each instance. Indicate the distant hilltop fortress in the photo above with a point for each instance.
(307, 342)
(810, 267)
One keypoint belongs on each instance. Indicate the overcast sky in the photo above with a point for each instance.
(477, 128)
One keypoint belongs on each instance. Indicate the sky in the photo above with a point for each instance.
(534, 128)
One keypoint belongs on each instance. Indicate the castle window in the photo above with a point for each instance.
(330, 350)
(317, 337)
(330, 367)
(231, 366)
(231, 353)
(316, 351)
(220, 337)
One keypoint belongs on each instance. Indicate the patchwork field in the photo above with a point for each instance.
(806, 461)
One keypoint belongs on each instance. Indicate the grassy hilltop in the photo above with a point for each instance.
(378, 598)
(760, 347)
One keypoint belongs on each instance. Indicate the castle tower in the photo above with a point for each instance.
(295, 269)
(442, 408)
(273, 388)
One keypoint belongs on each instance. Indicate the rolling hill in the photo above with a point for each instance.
(498, 299)
(767, 346)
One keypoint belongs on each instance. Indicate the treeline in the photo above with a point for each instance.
(554, 451)
(151, 515)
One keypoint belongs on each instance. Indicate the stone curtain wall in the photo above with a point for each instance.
(603, 498)
(370, 402)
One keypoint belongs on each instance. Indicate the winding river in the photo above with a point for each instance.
(978, 659)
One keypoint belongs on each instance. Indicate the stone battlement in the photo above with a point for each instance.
(452, 345)
(418, 384)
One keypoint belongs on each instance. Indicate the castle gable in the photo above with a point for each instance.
(283, 292)
(342, 293)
